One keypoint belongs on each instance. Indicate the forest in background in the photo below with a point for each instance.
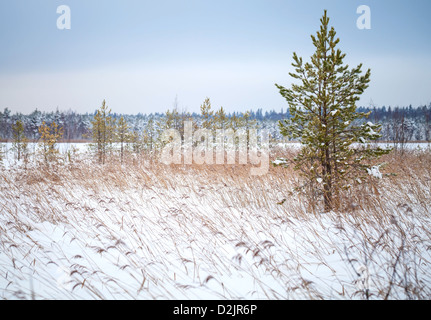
(399, 124)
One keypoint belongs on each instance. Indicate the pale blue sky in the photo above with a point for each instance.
(139, 55)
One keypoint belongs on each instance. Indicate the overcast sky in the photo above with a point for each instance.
(139, 55)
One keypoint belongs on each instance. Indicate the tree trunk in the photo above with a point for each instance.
(327, 176)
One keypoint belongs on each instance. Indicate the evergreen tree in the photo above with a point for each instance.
(123, 135)
(247, 122)
(234, 122)
(49, 137)
(34, 123)
(138, 143)
(207, 114)
(221, 119)
(150, 133)
(103, 126)
(5, 123)
(324, 118)
(173, 120)
(20, 141)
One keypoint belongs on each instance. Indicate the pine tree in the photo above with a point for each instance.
(123, 135)
(175, 120)
(247, 122)
(5, 123)
(34, 123)
(49, 137)
(207, 115)
(20, 141)
(150, 134)
(234, 122)
(221, 119)
(103, 126)
(138, 143)
(324, 118)
(160, 127)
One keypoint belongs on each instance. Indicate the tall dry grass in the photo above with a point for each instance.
(147, 230)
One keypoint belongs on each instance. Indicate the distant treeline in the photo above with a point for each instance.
(401, 124)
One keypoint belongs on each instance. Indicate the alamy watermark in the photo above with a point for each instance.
(64, 21)
(215, 147)
(364, 20)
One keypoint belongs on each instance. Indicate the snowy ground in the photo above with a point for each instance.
(160, 232)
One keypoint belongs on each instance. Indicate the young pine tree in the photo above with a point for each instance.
(150, 134)
(207, 115)
(221, 120)
(324, 118)
(123, 135)
(235, 122)
(138, 143)
(173, 119)
(103, 132)
(20, 141)
(49, 137)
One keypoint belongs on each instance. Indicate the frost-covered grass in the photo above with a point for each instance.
(150, 231)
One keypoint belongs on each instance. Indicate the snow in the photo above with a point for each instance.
(278, 162)
(371, 131)
(193, 236)
(375, 172)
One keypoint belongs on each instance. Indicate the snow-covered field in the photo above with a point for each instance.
(83, 231)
